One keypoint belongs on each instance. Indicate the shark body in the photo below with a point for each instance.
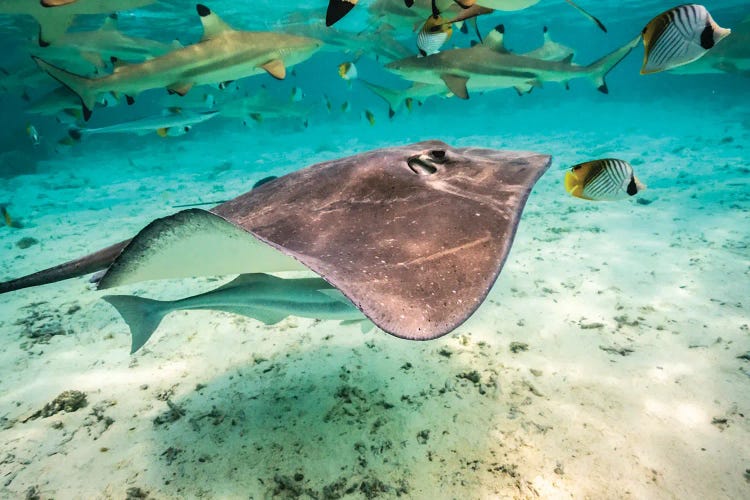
(55, 20)
(223, 54)
(264, 297)
(490, 66)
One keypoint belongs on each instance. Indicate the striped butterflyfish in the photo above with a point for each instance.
(603, 180)
(433, 35)
(679, 36)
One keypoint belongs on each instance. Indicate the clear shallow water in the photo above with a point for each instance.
(666, 278)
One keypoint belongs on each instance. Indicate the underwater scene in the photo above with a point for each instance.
(468, 249)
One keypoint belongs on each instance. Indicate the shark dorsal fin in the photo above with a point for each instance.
(494, 39)
(213, 25)
(110, 23)
(250, 279)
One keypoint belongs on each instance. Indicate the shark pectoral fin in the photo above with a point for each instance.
(275, 68)
(568, 59)
(456, 84)
(180, 88)
(213, 25)
(194, 242)
(94, 58)
(162, 132)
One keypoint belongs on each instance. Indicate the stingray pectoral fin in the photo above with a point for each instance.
(192, 243)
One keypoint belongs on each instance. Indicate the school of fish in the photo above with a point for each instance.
(105, 67)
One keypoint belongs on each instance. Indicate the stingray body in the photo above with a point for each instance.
(413, 236)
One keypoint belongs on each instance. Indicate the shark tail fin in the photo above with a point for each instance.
(392, 97)
(599, 69)
(82, 86)
(142, 316)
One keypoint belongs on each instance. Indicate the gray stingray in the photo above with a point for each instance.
(413, 236)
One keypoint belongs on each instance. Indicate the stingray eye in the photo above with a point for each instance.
(422, 165)
(438, 154)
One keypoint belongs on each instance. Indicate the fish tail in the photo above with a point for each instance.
(599, 69)
(84, 87)
(573, 184)
(143, 316)
(394, 98)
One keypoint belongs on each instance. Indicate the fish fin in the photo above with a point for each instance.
(53, 23)
(456, 84)
(338, 9)
(585, 13)
(82, 86)
(142, 316)
(267, 316)
(194, 242)
(181, 88)
(110, 23)
(394, 98)
(213, 25)
(574, 186)
(495, 39)
(130, 100)
(94, 58)
(162, 132)
(250, 279)
(568, 59)
(275, 68)
(365, 325)
(598, 70)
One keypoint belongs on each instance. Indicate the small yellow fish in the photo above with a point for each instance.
(8, 220)
(433, 35)
(679, 36)
(370, 117)
(348, 71)
(608, 179)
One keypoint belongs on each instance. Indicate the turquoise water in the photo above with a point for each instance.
(608, 361)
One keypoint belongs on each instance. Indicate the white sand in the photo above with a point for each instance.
(365, 414)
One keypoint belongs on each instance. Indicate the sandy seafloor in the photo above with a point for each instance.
(634, 316)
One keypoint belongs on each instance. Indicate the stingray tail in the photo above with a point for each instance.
(82, 86)
(143, 316)
(599, 69)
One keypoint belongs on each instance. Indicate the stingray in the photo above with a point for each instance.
(414, 236)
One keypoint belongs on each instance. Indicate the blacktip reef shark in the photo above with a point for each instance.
(99, 46)
(223, 54)
(414, 236)
(55, 17)
(489, 66)
(339, 8)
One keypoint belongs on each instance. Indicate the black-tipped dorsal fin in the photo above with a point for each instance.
(213, 25)
(495, 39)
